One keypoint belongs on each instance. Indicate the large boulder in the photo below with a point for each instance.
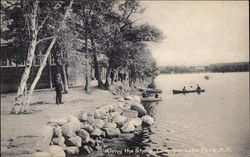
(112, 132)
(57, 131)
(87, 127)
(42, 154)
(75, 122)
(74, 141)
(119, 119)
(110, 125)
(84, 135)
(128, 127)
(98, 123)
(130, 114)
(136, 121)
(45, 138)
(56, 151)
(136, 99)
(139, 108)
(97, 132)
(148, 120)
(57, 121)
(72, 150)
(58, 140)
(68, 130)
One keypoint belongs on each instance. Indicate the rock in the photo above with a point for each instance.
(119, 119)
(136, 121)
(112, 132)
(58, 140)
(75, 122)
(84, 135)
(110, 125)
(74, 141)
(57, 121)
(56, 151)
(128, 127)
(127, 105)
(68, 130)
(92, 141)
(121, 100)
(120, 105)
(96, 132)
(84, 116)
(97, 114)
(63, 146)
(72, 150)
(87, 127)
(45, 138)
(90, 119)
(87, 149)
(57, 131)
(42, 154)
(139, 108)
(129, 98)
(98, 123)
(112, 114)
(136, 99)
(98, 147)
(148, 120)
(130, 114)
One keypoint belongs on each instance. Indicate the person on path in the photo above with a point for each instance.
(58, 88)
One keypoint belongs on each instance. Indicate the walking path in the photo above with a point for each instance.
(44, 107)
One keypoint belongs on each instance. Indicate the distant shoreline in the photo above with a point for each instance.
(214, 68)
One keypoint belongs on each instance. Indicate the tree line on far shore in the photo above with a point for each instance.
(219, 67)
(71, 29)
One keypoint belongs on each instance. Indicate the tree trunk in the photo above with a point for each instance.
(86, 88)
(107, 82)
(65, 82)
(97, 70)
(66, 87)
(17, 107)
(43, 64)
(38, 75)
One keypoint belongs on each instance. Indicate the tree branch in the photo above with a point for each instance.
(41, 25)
(44, 39)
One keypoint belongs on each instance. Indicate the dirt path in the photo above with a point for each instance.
(44, 107)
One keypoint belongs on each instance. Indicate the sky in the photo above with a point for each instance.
(199, 32)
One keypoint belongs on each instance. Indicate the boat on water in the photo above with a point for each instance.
(150, 99)
(150, 90)
(188, 91)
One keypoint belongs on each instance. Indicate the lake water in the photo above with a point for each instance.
(213, 123)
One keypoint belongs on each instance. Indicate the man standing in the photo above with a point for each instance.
(58, 88)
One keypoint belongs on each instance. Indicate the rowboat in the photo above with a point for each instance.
(188, 91)
(150, 99)
(150, 90)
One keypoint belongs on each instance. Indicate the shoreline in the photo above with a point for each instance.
(43, 108)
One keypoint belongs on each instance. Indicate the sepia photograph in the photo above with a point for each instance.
(125, 78)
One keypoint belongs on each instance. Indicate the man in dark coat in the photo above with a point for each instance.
(58, 88)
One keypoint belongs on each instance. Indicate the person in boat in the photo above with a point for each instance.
(144, 94)
(184, 89)
(156, 95)
(198, 87)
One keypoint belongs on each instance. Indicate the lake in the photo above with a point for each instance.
(210, 124)
(213, 123)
